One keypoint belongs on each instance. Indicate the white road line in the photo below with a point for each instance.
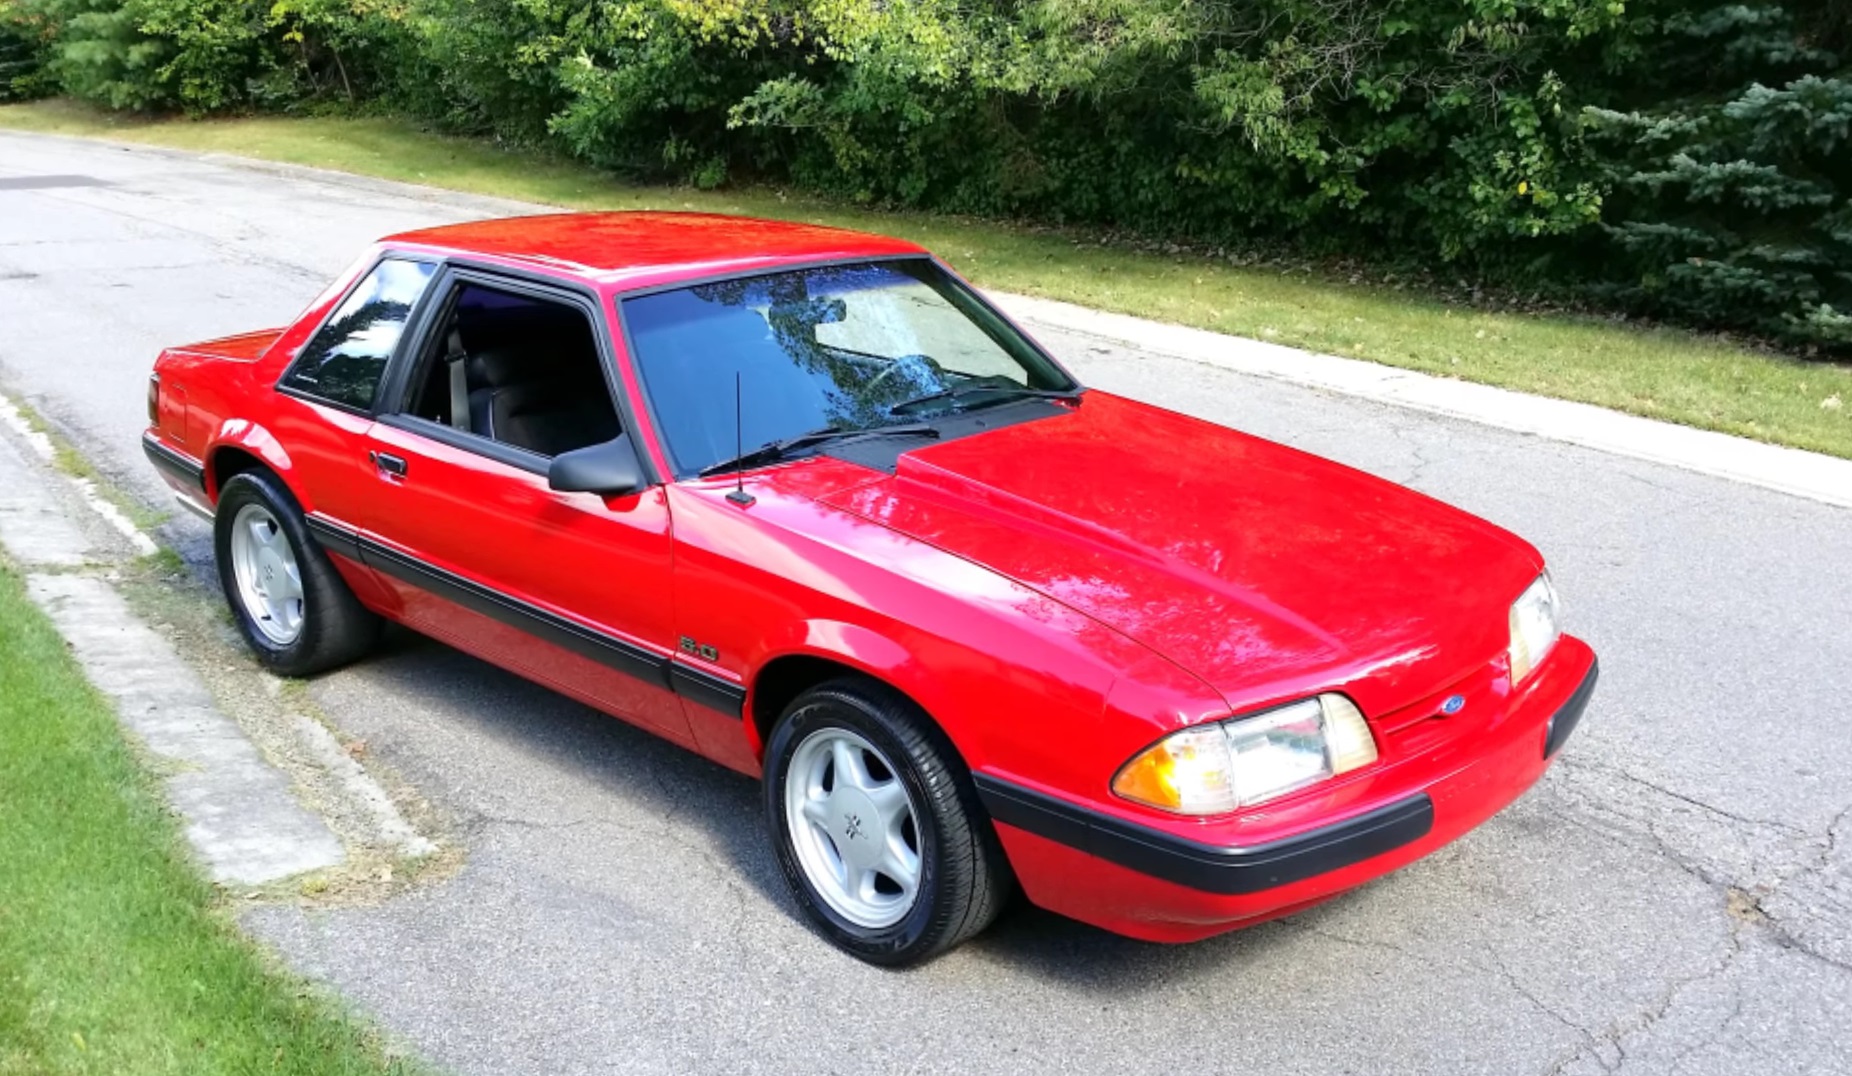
(41, 444)
(10, 414)
(144, 545)
(35, 530)
(385, 822)
(241, 815)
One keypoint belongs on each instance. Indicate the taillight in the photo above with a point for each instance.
(154, 399)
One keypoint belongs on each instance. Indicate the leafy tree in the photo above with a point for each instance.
(213, 55)
(492, 65)
(26, 36)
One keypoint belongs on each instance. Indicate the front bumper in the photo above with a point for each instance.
(1147, 882)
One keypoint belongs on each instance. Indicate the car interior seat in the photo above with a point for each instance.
(535, 378)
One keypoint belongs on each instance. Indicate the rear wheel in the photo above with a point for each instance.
(290, 603)
(877, 827)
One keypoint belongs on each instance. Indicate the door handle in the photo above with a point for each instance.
(387, 463)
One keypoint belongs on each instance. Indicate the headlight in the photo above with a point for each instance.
(1534, 626)
(1215, 768)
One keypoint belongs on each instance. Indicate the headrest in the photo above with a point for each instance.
(495, 368)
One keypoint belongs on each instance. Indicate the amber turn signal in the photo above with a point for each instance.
(1216, 768)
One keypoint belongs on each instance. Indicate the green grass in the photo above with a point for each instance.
(1661, 373)
(114, 956)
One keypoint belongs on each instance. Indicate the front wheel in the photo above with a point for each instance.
(876, 825)
(291, 604)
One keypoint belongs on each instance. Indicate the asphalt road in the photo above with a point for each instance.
(1676, 896)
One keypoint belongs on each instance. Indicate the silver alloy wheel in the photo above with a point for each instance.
(854, 827)
(268, 578)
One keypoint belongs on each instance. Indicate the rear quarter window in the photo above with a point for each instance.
(346, 359)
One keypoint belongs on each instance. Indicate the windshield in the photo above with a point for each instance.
(834, 347)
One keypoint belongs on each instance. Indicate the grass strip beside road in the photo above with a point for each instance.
(114, 957)
(1659, 373)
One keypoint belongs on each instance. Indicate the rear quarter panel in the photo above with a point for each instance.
(222, 393)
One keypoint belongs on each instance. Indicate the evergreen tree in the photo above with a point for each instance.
(1729, 181)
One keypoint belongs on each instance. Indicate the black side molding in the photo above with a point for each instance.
(335, 538)
(713, 692)
(1210, 868)
(696, 685)
(174, 464)
(607, 650)
(1564, 721)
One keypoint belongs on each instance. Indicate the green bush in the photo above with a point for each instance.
(1332, 122)
(26, 38)
(490, 66)
(1679, 158)
(204, 56)
(101, 55)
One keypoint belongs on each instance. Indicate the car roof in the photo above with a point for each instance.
(644, 249)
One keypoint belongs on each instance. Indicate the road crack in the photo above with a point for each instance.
(1577, 763)
(1620, 1033)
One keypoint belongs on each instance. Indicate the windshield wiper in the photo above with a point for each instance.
(773, 451)
(959, 393)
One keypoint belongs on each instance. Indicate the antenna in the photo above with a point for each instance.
(739, 495)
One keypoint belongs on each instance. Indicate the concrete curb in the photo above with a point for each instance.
(240, 812)
(1811, 475)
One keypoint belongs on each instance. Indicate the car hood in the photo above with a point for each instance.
(1264, 570)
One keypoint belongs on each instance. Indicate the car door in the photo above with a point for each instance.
(327, 395)
(571, 589)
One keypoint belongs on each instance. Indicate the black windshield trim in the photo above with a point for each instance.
(883, 453)
(1004, 393)
(959, 284)
(786, 450)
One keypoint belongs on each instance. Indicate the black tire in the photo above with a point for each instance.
(964, 878)
(335, 627)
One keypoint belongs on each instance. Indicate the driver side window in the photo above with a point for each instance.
(516, 369)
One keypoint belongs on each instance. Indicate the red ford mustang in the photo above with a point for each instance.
(801, 501)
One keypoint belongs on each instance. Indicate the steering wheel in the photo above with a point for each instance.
(915, 365)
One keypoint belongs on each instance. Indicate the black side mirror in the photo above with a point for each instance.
(610, 469)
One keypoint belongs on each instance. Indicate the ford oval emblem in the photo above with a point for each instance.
(1453, 705)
